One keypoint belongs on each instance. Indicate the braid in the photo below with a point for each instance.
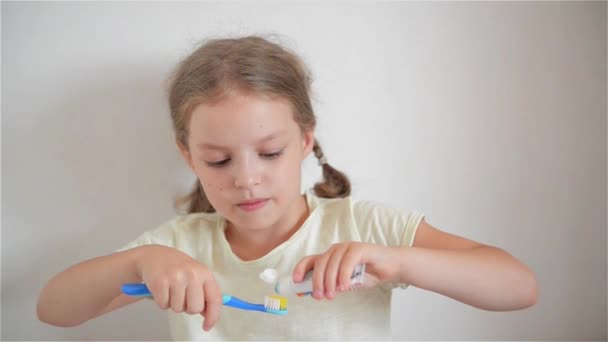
(196, 201)
(335, 183)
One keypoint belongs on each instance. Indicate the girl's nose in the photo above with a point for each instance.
(247, 175)
(246, 182)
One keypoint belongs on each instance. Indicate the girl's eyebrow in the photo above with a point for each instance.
(210, 146)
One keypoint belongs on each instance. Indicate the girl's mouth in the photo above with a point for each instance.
(252, 205)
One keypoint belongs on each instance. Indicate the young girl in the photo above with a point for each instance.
(244, 123)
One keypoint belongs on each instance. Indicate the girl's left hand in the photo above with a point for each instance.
(332, 270)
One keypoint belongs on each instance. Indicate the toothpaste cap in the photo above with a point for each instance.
(269, 276)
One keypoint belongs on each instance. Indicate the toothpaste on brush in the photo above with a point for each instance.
(287, 287)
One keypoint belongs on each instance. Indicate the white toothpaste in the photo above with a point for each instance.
(287, 287)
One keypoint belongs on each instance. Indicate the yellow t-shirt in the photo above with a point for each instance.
(355, 315)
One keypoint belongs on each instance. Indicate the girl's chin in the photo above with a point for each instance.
(253, 222)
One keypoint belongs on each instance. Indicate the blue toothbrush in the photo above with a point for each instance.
(272, 304)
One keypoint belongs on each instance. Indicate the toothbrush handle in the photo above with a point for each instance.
(241, 304)
(141, 290)
(136, 290)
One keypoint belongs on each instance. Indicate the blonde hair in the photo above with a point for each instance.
(249, 64)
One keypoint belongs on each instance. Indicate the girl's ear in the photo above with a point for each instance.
(308, 141)
(185, 154)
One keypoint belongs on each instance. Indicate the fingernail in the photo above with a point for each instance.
(330, 294)
(318, 294)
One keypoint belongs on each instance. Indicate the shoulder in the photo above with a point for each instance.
(332, 205)
(355, 208)
(178, 231)
(370, 212)
(385, 224)
(369, 207)
(191, 223)
(186, 227)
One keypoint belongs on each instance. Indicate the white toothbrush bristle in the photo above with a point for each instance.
(276, 303)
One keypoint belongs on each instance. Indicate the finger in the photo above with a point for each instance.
(213, 304)
(318, 275)
(177, 297)
(195, 301)
(302, 267)
(331, 273)
(160, 293)
(351, 258)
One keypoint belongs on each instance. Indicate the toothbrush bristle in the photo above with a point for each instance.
(275, 302)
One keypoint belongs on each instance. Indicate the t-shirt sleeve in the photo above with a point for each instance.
(384, 225)
(387, 226)
(163, 235)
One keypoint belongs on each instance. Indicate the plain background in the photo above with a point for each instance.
(488, 117)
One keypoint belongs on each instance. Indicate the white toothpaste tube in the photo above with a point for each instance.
(286, 286)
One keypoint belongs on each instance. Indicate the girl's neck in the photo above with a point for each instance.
(252, 245)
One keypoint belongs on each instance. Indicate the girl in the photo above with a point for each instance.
(244, 123)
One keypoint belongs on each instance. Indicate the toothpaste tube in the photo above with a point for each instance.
(286, 286)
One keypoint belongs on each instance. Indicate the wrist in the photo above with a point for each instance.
(403, 255)
(136, 257)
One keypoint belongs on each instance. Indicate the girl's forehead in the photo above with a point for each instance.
(245, 116)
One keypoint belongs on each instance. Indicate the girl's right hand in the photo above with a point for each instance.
(179, 282)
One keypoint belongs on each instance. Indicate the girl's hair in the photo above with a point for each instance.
(247, 64)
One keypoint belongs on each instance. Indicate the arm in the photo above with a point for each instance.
(92, 288)
(482, 276)
(88, 289)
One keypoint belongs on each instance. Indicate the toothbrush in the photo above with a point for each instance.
(272, 304)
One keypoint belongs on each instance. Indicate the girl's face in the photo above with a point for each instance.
(247, 152)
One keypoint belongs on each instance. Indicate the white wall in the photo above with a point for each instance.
(488, 117)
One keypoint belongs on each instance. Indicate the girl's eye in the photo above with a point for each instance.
(218, 163)
(224, 162)
(272, 155)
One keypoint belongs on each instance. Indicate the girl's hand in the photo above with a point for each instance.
(179, 282)
(333, 269)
